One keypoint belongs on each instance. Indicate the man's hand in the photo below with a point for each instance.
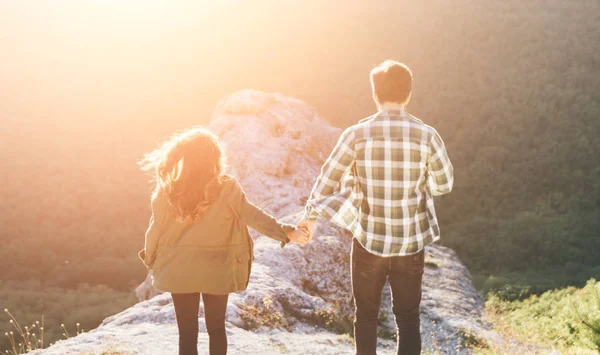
(299, 236)
(310, 225)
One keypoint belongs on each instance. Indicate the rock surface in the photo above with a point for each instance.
(275, 146)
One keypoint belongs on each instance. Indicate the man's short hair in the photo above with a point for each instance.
(391, 82)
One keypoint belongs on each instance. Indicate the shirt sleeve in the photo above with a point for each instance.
(336, 166)
(439, 168)
(255, 217)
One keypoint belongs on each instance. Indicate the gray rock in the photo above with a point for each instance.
(275, 146)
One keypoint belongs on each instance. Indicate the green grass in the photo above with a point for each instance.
(566, 319)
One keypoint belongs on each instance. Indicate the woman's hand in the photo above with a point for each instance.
(299, 235)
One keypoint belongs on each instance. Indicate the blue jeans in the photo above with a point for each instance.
(369, 275)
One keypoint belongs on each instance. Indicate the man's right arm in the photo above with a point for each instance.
(335, 167)
(439, 168)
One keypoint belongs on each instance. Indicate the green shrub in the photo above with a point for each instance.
(591, 319)
(567, 319)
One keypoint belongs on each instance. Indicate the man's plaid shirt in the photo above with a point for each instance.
(380, 180)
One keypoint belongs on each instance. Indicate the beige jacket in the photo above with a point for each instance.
(214, 253)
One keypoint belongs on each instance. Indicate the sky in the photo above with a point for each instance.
(146, 60)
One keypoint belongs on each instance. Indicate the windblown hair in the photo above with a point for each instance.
(187, 168)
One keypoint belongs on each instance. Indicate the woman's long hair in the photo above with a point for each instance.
(185, 168)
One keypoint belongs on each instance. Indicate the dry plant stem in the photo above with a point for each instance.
(11, 335)
(14, 321)
(66, 333)
(11, 338)
(27, 335)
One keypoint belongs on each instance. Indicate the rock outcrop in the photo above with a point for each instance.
(299, 299)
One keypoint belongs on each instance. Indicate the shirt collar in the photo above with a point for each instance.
(391, 113)
(391, 107)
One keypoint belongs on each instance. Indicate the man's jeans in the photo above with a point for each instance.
(369, 274)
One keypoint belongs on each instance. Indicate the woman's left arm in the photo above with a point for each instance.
(257, 218)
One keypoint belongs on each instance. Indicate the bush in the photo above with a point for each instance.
(567, 319)
(262, 314)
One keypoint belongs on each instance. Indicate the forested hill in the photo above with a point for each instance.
(513, 87)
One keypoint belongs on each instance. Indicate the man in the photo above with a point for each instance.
(389, 166)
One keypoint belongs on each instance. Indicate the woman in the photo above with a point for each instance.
(198, 241)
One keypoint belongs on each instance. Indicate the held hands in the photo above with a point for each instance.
(300, 235)
(309, 225)
(303, 233)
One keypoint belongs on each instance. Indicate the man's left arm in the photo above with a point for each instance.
(440, 169)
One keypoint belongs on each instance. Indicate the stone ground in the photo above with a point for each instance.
(275, 146)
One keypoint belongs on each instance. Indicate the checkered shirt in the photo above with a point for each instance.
(380, 180)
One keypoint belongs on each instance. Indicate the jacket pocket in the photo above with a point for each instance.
(242, 268)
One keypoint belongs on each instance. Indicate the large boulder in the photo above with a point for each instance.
(299, 299)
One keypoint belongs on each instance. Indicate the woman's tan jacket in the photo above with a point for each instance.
(214, 253)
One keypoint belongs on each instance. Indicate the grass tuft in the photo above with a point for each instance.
(263, 315)
(470, 340)
(29, 338)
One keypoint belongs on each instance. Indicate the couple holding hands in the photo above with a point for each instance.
(378, 182)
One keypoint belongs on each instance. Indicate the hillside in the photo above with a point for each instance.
(87, 87)
(512, 86)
